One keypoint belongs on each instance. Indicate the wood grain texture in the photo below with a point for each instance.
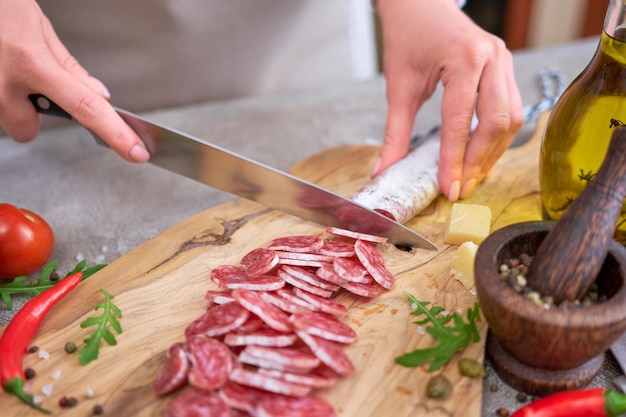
(160, 288)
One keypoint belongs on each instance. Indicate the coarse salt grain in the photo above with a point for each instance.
(473, 291)
(80, 256)
(47, 389)
(105, 248)
(43, 354)
(38, 399)
(89, 393)
(56, 374)
(413, 306)
(420, 330)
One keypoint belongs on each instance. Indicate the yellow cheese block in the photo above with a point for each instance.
(462, 266)
(468, 222)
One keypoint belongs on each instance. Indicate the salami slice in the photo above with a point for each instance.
(374, 263)
(305, 256)
(269, 313)
(283, 406)
(309, 275)
(219, 296)
(259, 261)
(219, 319)
(241, 397)
(256, 283)
(194, 403)
(296, 243)
(173, 375)
(267, 383)
(261, 337)
(329, 352)
(325, 326)
(211, 363)
(284, 304)
(253, 323)
(325, 305)
(301, 262)
(356, 235)
(297, 282)
(289, 294)
(310, 379)
(350, 269)
(327, 273)
(219, 273)
(363, 290)
(296, 360)
(337, 249)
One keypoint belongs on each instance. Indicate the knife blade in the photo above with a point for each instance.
(222, 169)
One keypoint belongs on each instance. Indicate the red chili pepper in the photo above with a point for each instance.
(20, 332)
(592, 402)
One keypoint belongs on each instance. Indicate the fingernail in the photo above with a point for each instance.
(139, 154)
(468, 188)
(453, 191)
(375, 167)
(100, 85)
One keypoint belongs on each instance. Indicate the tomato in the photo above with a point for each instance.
(26, 241)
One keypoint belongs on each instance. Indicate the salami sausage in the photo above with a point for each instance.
(267, 383)
(241, 397)
(356, 235)
(311, 379)
(336, 249)
(194, 403)
(297, 282)
(259, 261)
(282, 406)
(269, 313)
(326, 305)
(374, 263)
(283, 358)
(219, 319)
(296, 243)
(211, 363)
(329, 352)
(284, 304)
(350, 270)
(261, 337)
(325, 326)
(309, 275)
(173, 375)
(407, 187)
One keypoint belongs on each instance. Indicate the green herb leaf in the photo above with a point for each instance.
(24, 285)
(452, 332)
(108, 318)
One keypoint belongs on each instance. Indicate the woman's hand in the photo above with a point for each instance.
(33, 60)
(427, 41)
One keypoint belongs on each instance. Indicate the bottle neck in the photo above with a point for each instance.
(615, 20)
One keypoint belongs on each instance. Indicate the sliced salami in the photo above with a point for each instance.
(218, 320)
(194, 403)
(286, 358)
(305, 256)
(300, 262)
(310, 379)
(289, 294)
(309, 275)
(253, 323)
(296, 243)
(297, 282)
(337, 249)
(219, 296)
(283, 406)
(363, 290)
(259, 261)
(241, 397)
(269, 313)
(350, 269)
(325, 326)
(356, 235)
(226, 271)
(284, 304)
(374, 263)
(173, 375)
(211, 363)
(257, 283)
(261, 337)
(325, 305)
(327, 273)
(267, 383)
(329, 352)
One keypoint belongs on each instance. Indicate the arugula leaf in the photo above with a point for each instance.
(109, 317)
(452, 332)
(24, 285)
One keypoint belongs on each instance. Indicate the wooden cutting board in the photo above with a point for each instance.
(160, 288)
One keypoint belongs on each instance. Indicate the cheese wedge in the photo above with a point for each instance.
(462, 266)
(468, 222)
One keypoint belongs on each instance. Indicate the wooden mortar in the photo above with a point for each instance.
(537, 350)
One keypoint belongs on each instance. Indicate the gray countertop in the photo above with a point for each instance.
(101, 207)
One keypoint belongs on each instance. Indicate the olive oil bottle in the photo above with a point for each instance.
(579, 128)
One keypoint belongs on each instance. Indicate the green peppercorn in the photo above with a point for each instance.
(494, 387)
(438, 387)
(70, 347)
(472, 368)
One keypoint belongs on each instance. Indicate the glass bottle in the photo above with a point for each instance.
(580, 126)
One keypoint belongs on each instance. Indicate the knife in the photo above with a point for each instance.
(220, 168)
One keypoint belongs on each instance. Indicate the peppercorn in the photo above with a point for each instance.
(70, 347)
(438, 387)
(29, 373)
(494, 387)
(63, 401)
(472, 368)
(97, 409)
(521, 397)
(33, 349)
(502, 412)
(71, 402)
(54, 276)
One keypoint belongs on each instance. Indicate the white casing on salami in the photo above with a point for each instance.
(408, 186)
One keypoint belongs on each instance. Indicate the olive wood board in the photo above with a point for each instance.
(160, 289)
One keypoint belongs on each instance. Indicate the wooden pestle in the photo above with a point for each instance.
(570, 257)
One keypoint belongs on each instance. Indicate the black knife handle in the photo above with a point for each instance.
(44, 105)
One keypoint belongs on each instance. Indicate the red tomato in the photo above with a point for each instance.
(26, 241)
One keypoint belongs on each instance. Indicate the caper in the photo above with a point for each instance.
(472, 368)
(438, 387)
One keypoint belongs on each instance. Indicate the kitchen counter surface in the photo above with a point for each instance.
(101, 207)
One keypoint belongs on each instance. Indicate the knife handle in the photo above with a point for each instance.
(44, 105)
